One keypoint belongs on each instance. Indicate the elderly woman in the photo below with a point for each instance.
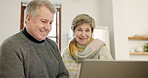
(83, 45)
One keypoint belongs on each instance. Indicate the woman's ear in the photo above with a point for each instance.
(73, 33)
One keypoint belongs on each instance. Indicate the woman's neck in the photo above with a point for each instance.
(80, 48)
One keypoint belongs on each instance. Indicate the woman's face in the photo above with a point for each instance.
(83, 34)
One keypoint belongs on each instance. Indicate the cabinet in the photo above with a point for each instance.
(138, 39)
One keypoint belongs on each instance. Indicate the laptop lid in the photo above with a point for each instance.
(113, 69)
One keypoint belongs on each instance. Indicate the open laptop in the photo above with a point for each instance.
(113, 69)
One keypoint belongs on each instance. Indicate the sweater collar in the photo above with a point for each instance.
(30, 37)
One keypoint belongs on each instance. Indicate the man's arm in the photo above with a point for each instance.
(10, 64)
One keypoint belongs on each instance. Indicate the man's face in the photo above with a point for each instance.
(40, 25)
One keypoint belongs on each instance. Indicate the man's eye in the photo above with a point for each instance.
(50, 22)
(43, 21)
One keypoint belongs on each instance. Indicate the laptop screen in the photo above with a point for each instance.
(113, 69)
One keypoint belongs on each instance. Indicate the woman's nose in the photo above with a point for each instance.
(83, 33)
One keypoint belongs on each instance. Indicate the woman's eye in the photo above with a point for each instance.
(87, 30)
(79, 30)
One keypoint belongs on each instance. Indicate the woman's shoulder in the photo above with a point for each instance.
(104, 48)
(65, 50)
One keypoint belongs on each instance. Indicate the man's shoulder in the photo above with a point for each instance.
(51, 42)
(12, 39)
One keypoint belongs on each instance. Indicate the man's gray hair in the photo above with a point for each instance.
(33, 7)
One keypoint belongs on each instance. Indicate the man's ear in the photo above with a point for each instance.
(28, 19)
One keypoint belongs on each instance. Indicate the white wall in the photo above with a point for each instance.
(137, 22)
(9, 18)
(120, 30)
(137, 16)
(130, 17)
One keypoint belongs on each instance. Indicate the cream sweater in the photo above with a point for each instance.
(73, 66)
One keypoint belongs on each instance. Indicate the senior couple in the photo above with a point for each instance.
(30, 54)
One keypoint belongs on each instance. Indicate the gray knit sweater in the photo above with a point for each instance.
(23, 58)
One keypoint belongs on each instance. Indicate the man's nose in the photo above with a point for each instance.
(48, 26)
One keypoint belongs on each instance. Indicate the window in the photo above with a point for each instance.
(56, 27)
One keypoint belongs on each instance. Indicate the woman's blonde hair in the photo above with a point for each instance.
(82, 19)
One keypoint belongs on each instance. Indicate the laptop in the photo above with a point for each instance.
(93, 68)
